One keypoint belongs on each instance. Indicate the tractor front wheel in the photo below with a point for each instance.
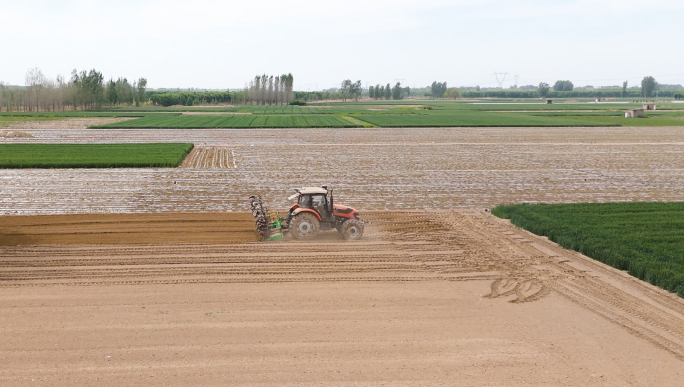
(352, 230)
(304, 226)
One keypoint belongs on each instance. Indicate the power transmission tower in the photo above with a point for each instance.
(516, 81)
(500, 78)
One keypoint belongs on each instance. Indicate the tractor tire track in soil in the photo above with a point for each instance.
(405, 246)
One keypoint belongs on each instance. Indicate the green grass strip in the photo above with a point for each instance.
(93, 155)
(645, 239)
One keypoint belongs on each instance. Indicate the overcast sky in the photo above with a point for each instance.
(223, 44)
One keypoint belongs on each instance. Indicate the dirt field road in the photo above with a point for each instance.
(439, 298)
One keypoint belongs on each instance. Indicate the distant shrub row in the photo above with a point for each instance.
(191, 98)
(617, 93)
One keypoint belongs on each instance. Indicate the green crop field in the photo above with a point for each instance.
(382, 113)
(474, 119)
(234, 121)
(645, 239)
(93, 155)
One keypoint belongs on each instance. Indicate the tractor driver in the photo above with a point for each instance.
(304, 201)
(318, 204)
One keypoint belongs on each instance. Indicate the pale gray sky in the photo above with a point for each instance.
(221, 44)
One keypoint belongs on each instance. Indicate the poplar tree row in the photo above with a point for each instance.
(268, 90)
(85, 90)
(387, 92)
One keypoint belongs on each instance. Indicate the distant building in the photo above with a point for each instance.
(633, 113)
(549, 101)
(649, 106)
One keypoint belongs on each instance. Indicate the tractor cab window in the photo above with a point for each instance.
(320, 204)
(318, 201)
(305, 201)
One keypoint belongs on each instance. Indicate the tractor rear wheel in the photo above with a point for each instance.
(352, 230)
(304, 226)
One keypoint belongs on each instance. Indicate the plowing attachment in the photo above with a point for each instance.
(268, 224)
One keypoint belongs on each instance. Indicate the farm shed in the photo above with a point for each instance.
(633, 113)
(549, 101)
(649, 106)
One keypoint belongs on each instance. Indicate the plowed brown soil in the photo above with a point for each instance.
(203, 157)
(127, 229)
(427, 298)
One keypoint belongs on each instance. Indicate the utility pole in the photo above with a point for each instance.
(500, 78)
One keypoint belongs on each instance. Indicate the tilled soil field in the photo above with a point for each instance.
(439, 297)
(211, 157)
(372, 169)
(126, 229)
(67, 123)
(174, 291)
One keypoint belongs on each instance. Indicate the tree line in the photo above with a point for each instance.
(326, 95)
(437, 89)
(262, 90)
(268, 90)
(563, 86)
(85, 90)
(601, 93)
(350, 90)
(387, 92)
(648, 85)
(190, 98)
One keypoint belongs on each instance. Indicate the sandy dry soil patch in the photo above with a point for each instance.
(437, 298)
(67, 123)
(14, 134)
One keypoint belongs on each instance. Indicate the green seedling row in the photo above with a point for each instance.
(93, 155)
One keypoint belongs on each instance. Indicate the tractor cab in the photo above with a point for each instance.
(316, 199)
(315, 210)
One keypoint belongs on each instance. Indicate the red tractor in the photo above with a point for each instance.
(315, 212)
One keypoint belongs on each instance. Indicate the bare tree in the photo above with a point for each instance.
(141, 87)
(276, 86)
(268, 89)
(283, 89)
